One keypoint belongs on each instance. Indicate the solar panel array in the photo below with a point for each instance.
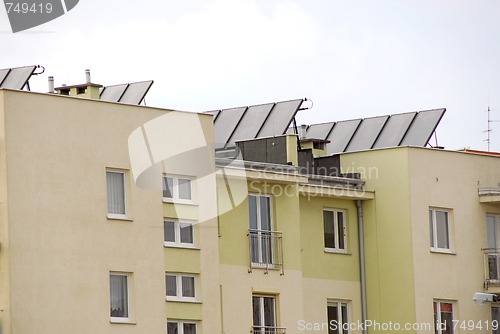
(265, 120)
(16, 78)
(409, 129)
(132, 93)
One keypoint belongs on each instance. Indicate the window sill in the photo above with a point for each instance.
(443, 251)
(123, 321)
(263, 266)
(169, 245)
(337, 251)
(180, 300)
(178, 201)
(119, 217)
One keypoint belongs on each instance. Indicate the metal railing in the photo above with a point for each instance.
(491, 267)
(266, 250)
(268, 330)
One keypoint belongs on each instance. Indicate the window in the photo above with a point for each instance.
(119, 284)
(181, 327)
(443, 317)
(338, 316)
(264, 243)
(335, 230)
(495, 319)
(264, 314)
(180, 286)
(116, 195)
(177, 189)
(439, 227)
(493, 237)
(178, 233)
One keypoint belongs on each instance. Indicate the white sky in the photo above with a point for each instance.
(353, 58)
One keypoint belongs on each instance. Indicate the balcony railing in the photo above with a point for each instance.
(491, 267)
(266, 251)
(268, 330)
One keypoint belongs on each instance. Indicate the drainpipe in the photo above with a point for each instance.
(362, 264)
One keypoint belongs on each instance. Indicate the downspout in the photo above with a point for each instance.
(362, 264)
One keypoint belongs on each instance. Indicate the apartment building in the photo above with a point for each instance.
(431, 236)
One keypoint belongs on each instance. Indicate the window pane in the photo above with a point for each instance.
(172, 328)
(345, 320)
(341, 232)
(171, 283)
(447, 318)
(495, 315)
(269, 317)
(252, 208)
(442, 229)
(333, 319)
(169, 231)
(256, 311)
(187, 286)
(184, 189)
(189, 328)
(329, 229)
(119, 296)
(168, 187)
(186, 233)
(265, 214)
(431, 228)
(116, 192)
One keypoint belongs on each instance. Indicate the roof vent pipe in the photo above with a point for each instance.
(302, 131)
(51, 84)
(87, 76)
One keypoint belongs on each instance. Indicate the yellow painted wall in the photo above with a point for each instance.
(388, 234)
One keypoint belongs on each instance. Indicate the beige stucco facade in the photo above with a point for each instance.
(57, 245)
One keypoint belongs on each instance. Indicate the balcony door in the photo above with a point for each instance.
(264, 315)
(493, 234)
(261, 236)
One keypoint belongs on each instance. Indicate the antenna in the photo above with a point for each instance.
(490, 130)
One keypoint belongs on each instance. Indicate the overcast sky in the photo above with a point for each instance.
(353, 58)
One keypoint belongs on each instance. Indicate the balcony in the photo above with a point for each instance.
(268, 330)
(266, 252)
(492, 269)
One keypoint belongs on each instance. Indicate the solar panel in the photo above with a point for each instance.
(135, 92)
(341, 135)
(319, 131)
(280, 118)
(422, 127)
(251, 122)
(113, 93)
(3, 74)
(225, 124)
(18, 77)
(367, 133)
(394, 130)
(215, 113)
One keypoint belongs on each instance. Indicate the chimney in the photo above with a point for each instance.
(302, 131)
(87, 76)
(51, 84)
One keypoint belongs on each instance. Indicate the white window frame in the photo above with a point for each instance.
(129, 277)
(262, 310)
(180, 325)
(175, 189)
(177, 231)
(437, 317)
(178, 282)
(262, 263)
(337, 248)
(434, 234)
(341, 321)
(125, 194)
